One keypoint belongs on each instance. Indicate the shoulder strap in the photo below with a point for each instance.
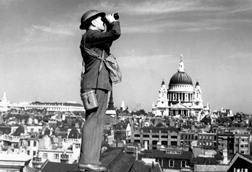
(100, 68)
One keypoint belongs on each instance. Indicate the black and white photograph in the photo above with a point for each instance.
(125, 86)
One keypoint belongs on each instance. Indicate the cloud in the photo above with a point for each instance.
(134, 61)
(206, 28)
(48, 33)
(166, 26)
(8, 2)
(155, 6)
(240, 55)
(145, 7)
(162, 6)
(58, 29)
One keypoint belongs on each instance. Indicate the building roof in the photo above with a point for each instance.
(57, 103)
(74, 134)
(114, 159)
(247, 158)
(157, 129)
(58, 167)
(186, 155)
(180, 78)
(18, 131)
(208, 168)
(140, 166)
(5, 130)
(204, 160)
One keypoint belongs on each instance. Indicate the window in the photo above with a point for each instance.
(174, 137)
(165, 143)
(171, 163)
(183, 163)
(29, 143)
(56, 156)
(137, 135)
(34, 153)
(173, 143)
(34, 143)
(28, 152)
(137, 141)
(45, 155)
(182, 137)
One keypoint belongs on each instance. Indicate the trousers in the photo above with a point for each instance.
(92, 131)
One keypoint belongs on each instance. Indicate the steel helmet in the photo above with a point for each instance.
(88, 16)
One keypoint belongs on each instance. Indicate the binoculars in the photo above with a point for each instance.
(116, 16)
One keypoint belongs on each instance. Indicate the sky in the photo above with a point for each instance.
(40, 58)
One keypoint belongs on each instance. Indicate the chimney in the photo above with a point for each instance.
(225, 156)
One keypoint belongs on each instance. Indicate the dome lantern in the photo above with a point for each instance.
(181, 64)
(180, 77)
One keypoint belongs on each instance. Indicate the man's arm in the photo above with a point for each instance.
(97, 37)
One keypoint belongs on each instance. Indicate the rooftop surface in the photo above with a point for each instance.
(114, 159)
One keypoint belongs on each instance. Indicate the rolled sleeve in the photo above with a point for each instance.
(97, 37)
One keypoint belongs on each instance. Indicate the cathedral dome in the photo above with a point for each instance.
(180, 78)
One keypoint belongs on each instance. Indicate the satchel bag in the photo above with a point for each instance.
(114, 70)
(110, 62)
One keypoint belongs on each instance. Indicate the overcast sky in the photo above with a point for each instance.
(40, 57)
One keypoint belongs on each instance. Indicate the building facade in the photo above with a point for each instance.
(182, 98)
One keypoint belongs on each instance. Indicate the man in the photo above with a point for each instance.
(101, 31)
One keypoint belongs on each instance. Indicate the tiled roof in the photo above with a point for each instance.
(74, 134)
(157, 129)
(140, 166)
(208, 168)
(18, 131)
(114, 159)
(204, 160)
(58, 167)
(161, 154)
(5, 130)
(248, 156)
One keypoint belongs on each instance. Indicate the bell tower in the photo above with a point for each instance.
(198, 96)
(160, 108)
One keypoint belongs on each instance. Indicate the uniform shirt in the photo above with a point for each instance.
(98, 42)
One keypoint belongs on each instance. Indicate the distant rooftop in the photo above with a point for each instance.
(57, 103)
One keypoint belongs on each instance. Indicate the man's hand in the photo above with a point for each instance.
(110, 18)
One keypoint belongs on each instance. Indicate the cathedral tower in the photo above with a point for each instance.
(160, 108)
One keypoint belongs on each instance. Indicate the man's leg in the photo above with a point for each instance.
(92, 132)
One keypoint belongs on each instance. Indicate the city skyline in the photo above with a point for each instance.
(40, 57)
